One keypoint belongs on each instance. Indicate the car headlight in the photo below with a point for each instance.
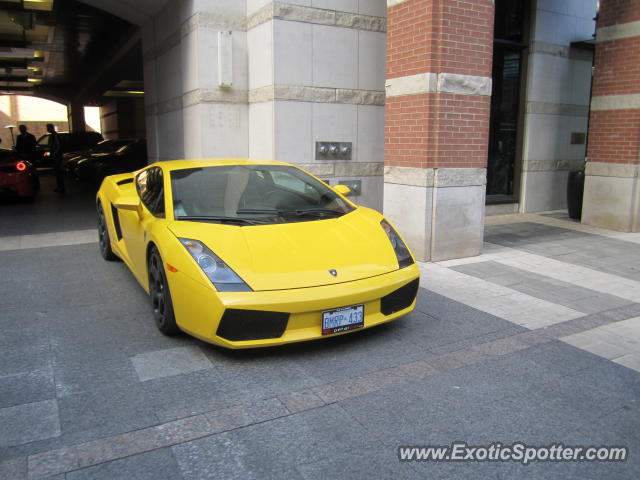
(220, 274)
(402, 252)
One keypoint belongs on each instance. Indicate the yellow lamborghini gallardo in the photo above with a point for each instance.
(245, 253)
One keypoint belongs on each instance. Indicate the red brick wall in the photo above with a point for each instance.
(438, 129)
(410, 28)
(614, 12)
(614, 135)
(617, 67)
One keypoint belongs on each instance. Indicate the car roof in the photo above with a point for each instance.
(213, 162)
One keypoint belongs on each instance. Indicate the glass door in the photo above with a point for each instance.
(504, 126)
(503, 131)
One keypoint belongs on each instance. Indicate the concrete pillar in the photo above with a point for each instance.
(76, 117)
(317, 74)
(195, 74)
(612, 186)
(268, 79)
(439, 55)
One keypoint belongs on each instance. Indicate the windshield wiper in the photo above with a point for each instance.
(259, 212)
(211, 218)
(315, 211)
(318, 211)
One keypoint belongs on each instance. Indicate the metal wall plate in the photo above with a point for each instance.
(354, 185)
(334, 150)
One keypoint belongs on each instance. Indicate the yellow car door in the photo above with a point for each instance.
(136, 224)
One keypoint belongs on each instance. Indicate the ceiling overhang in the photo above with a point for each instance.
(70, 50)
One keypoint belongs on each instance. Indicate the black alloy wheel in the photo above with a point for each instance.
(160, 296)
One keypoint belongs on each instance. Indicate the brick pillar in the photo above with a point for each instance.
(438, 88)
(612, 187)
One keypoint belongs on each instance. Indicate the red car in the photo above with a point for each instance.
(17, 176)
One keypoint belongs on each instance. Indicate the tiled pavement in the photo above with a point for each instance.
(537, 340)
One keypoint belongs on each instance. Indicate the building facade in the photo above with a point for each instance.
(266, 79)
(487, 112)
(436, 112)
(612, 188)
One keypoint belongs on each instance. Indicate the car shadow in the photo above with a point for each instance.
(307, 348)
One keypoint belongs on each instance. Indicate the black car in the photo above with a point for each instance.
(96, 166)
(70, 142)
(70, 160)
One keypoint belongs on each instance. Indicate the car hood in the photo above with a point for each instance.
(301, 254)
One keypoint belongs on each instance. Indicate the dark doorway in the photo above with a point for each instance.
(504, 132)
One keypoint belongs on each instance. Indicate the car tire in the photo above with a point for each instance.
(103, 236)
(160, 295)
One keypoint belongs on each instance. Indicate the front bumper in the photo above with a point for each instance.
(199, 309)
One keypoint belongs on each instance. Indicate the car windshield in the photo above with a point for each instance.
(252, 195)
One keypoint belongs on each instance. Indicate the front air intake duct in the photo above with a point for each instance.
(238, 325)
(399, 299)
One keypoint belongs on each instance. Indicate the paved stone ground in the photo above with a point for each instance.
(537, 340)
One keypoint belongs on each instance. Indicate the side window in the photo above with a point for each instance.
(150, 187)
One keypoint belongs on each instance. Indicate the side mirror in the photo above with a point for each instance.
(342, 190)
(127, 203)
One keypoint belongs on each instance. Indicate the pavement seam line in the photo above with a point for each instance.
(555, 222)
(69, 458)
(499, 301)
(51, 239)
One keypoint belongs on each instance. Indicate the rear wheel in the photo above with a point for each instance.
(160, 296)
(103, 236)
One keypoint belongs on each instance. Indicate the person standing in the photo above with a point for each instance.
(25, 143)
(55, 151)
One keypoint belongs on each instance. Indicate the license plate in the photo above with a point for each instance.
(342, 319)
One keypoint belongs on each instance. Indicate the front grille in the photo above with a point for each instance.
(237, 325)
(399, 299)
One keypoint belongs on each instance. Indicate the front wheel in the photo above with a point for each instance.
(160, 296)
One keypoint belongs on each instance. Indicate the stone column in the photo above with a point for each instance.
(75, 114)
(302, 72)
(316, 74)
(612, 186)
(195, 72)
(439, 55)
